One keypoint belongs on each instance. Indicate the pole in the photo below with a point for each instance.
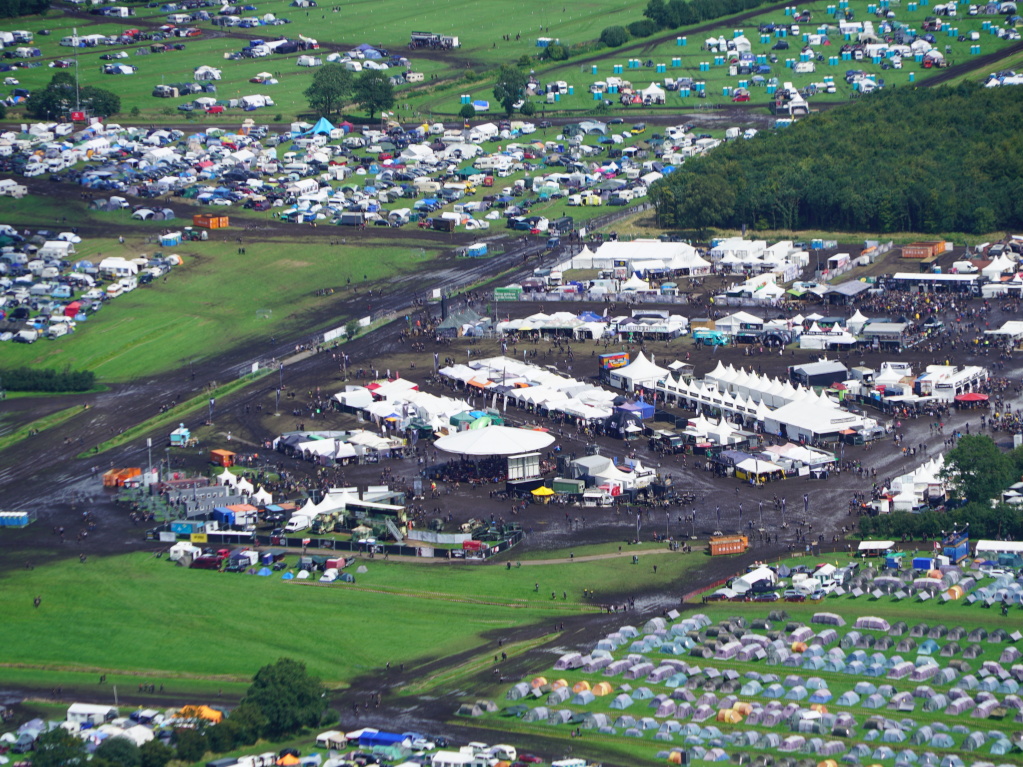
(149, 449)
(281, 370)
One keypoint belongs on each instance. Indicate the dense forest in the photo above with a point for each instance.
(925, 160)
(35, 379)
(11, 8)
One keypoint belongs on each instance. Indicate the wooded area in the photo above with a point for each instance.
(923, 160)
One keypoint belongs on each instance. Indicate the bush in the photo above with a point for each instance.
(33, 379)
(642, 28)
(556, 52)
(613, 37)
(468, 111)
(528, 109)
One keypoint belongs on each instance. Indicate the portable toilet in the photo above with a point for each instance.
(170, 240)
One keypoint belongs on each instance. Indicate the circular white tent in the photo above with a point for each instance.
(494, 440)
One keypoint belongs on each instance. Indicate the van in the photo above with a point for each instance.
(57, 330)
(297, 523)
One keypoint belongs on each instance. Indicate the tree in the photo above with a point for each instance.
(528, 109)
(287, 696)
(120, 751)
(248, 722)
(331, 89)
(556, 52)
(510, 87)
(155, 754)
(190, 744)
(615, 36)
(977, 470)
(58, 748)
(374, 90)
(60, 97)
(467, 112)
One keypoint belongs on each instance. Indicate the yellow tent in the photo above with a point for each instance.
(557, 684)
(743, 707)
(729, 716)
(602, 688)
(799, 647)
(828, 763)
(543, 492)
(582, 686)
(675, 757)
(956, 592)
(819, 707)
(538, 682)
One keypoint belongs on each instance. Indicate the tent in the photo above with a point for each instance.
(494, 440)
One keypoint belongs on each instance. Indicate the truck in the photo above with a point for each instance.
(352, 218)
(442, 224)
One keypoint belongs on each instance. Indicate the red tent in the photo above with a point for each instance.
(971, 397)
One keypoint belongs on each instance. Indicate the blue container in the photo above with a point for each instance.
(782, 32)
(804, 57)
(596, 97)
(876, 59)
(846, 56)
(685, 41)
(678, 41)
(912, 7)
(919, 58)
(593, 69)
(744, 83)
(847, 37)
(832, 61)
(765, 39)
(771, 89)
(975, 50)
(736, 33)
(684, 93)
(617, 69)
(571, 90)
(465, 99)
(612, 89)
(701, 87)
(557, 96)
(676, 62)
(985, 25)
(726, 91)
(806, 37)
(704, 66)
(761, 58)
(832, 10)
(719, 61)
(925, 2)
(871, 8)
(912, 77)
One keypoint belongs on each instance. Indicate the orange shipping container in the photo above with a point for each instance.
(117, 477)
(223, 458)
(728, 544)
(206, 221)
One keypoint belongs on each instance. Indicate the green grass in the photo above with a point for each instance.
(173, 622)
(40, 424)
(210, 303)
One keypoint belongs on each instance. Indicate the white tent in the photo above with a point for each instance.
(494, 440)
(639, 372)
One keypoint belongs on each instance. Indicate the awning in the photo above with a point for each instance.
(543, 491)
(971, 397)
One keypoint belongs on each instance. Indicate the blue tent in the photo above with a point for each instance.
(288, 576)
(323, 125)
(264, 571)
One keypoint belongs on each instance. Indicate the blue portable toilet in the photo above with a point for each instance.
(593, 69)
(683, 92)
(676, 61)
(170, 239)
(571, 90)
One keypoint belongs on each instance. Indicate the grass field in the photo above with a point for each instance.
(213, 302)
(138, 614)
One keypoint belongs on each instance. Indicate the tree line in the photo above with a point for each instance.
(660, 15)
(926, 160)
(34, 379)
(334, 87)
(11, 8)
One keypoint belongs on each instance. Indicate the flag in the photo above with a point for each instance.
(806, 503)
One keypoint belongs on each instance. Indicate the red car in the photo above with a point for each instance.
(741, 97)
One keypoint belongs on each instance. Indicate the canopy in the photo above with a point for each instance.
(543, 491)
(971, 397)
(495, 440)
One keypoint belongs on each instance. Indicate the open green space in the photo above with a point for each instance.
(216, 300)
(175, 623)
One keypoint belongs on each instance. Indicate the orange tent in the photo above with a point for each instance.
(799, 647)
(602, 688)
(287, 760)
(956, 592)
(675, 757)
(540, 681)
(582, 686)
(557, 684)
(819, 707)
(743, 707)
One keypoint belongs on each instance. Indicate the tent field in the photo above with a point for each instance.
(677, 682)
(246, 621)
(481, 29)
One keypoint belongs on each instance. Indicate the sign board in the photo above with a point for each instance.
(330, 335)
(166, 537)
(613, 360)
(198, 538)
